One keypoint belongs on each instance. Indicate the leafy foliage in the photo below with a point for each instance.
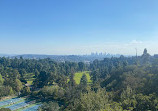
(117, 84)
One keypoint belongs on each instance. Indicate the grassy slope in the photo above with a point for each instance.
(78, 76)
(29, 78)
(21, 109)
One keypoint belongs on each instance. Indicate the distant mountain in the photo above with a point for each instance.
(7, 55)
(63, 58)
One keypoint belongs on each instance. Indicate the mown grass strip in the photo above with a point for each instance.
(78, 76)
(31, 105)
(12, 104)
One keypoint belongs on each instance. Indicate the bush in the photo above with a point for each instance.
(5, 109)
(50, 106)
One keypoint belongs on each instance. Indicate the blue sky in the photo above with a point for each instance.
(78, 26)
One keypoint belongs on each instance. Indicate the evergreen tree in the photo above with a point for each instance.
(81, 66)
(94, 76)
(83, 81)
(17, 85)
(72, 82)
(145, 57)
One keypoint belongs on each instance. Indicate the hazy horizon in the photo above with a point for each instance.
(78, 27)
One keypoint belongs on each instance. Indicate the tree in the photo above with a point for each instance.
(94, 76)
(145, 57)
(5, 91)
(53, 68)
(5, 109)
(81, 66)
(128, 100)
(26, 91)
(41, 80)
(72, 82)
(145, 51)
(50, 106)
(15, 74)
(17, 85)
(104, 72)
(146, 103)
(36, 73)
(83, 81)
(96, 101)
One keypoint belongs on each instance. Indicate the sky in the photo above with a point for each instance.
(66, 27)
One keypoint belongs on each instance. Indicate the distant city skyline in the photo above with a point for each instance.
(70, 27)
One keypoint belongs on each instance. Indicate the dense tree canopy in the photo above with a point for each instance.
(124, 83)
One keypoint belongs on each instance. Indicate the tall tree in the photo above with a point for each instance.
(41, 80)
(18, 85)
(83, 81)
(145, 57)
(72, 82)
(94, 76)
(81, 66)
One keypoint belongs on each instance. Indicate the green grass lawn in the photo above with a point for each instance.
(29, 78)
(30, 82)
(78, 75)
(21, 109)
